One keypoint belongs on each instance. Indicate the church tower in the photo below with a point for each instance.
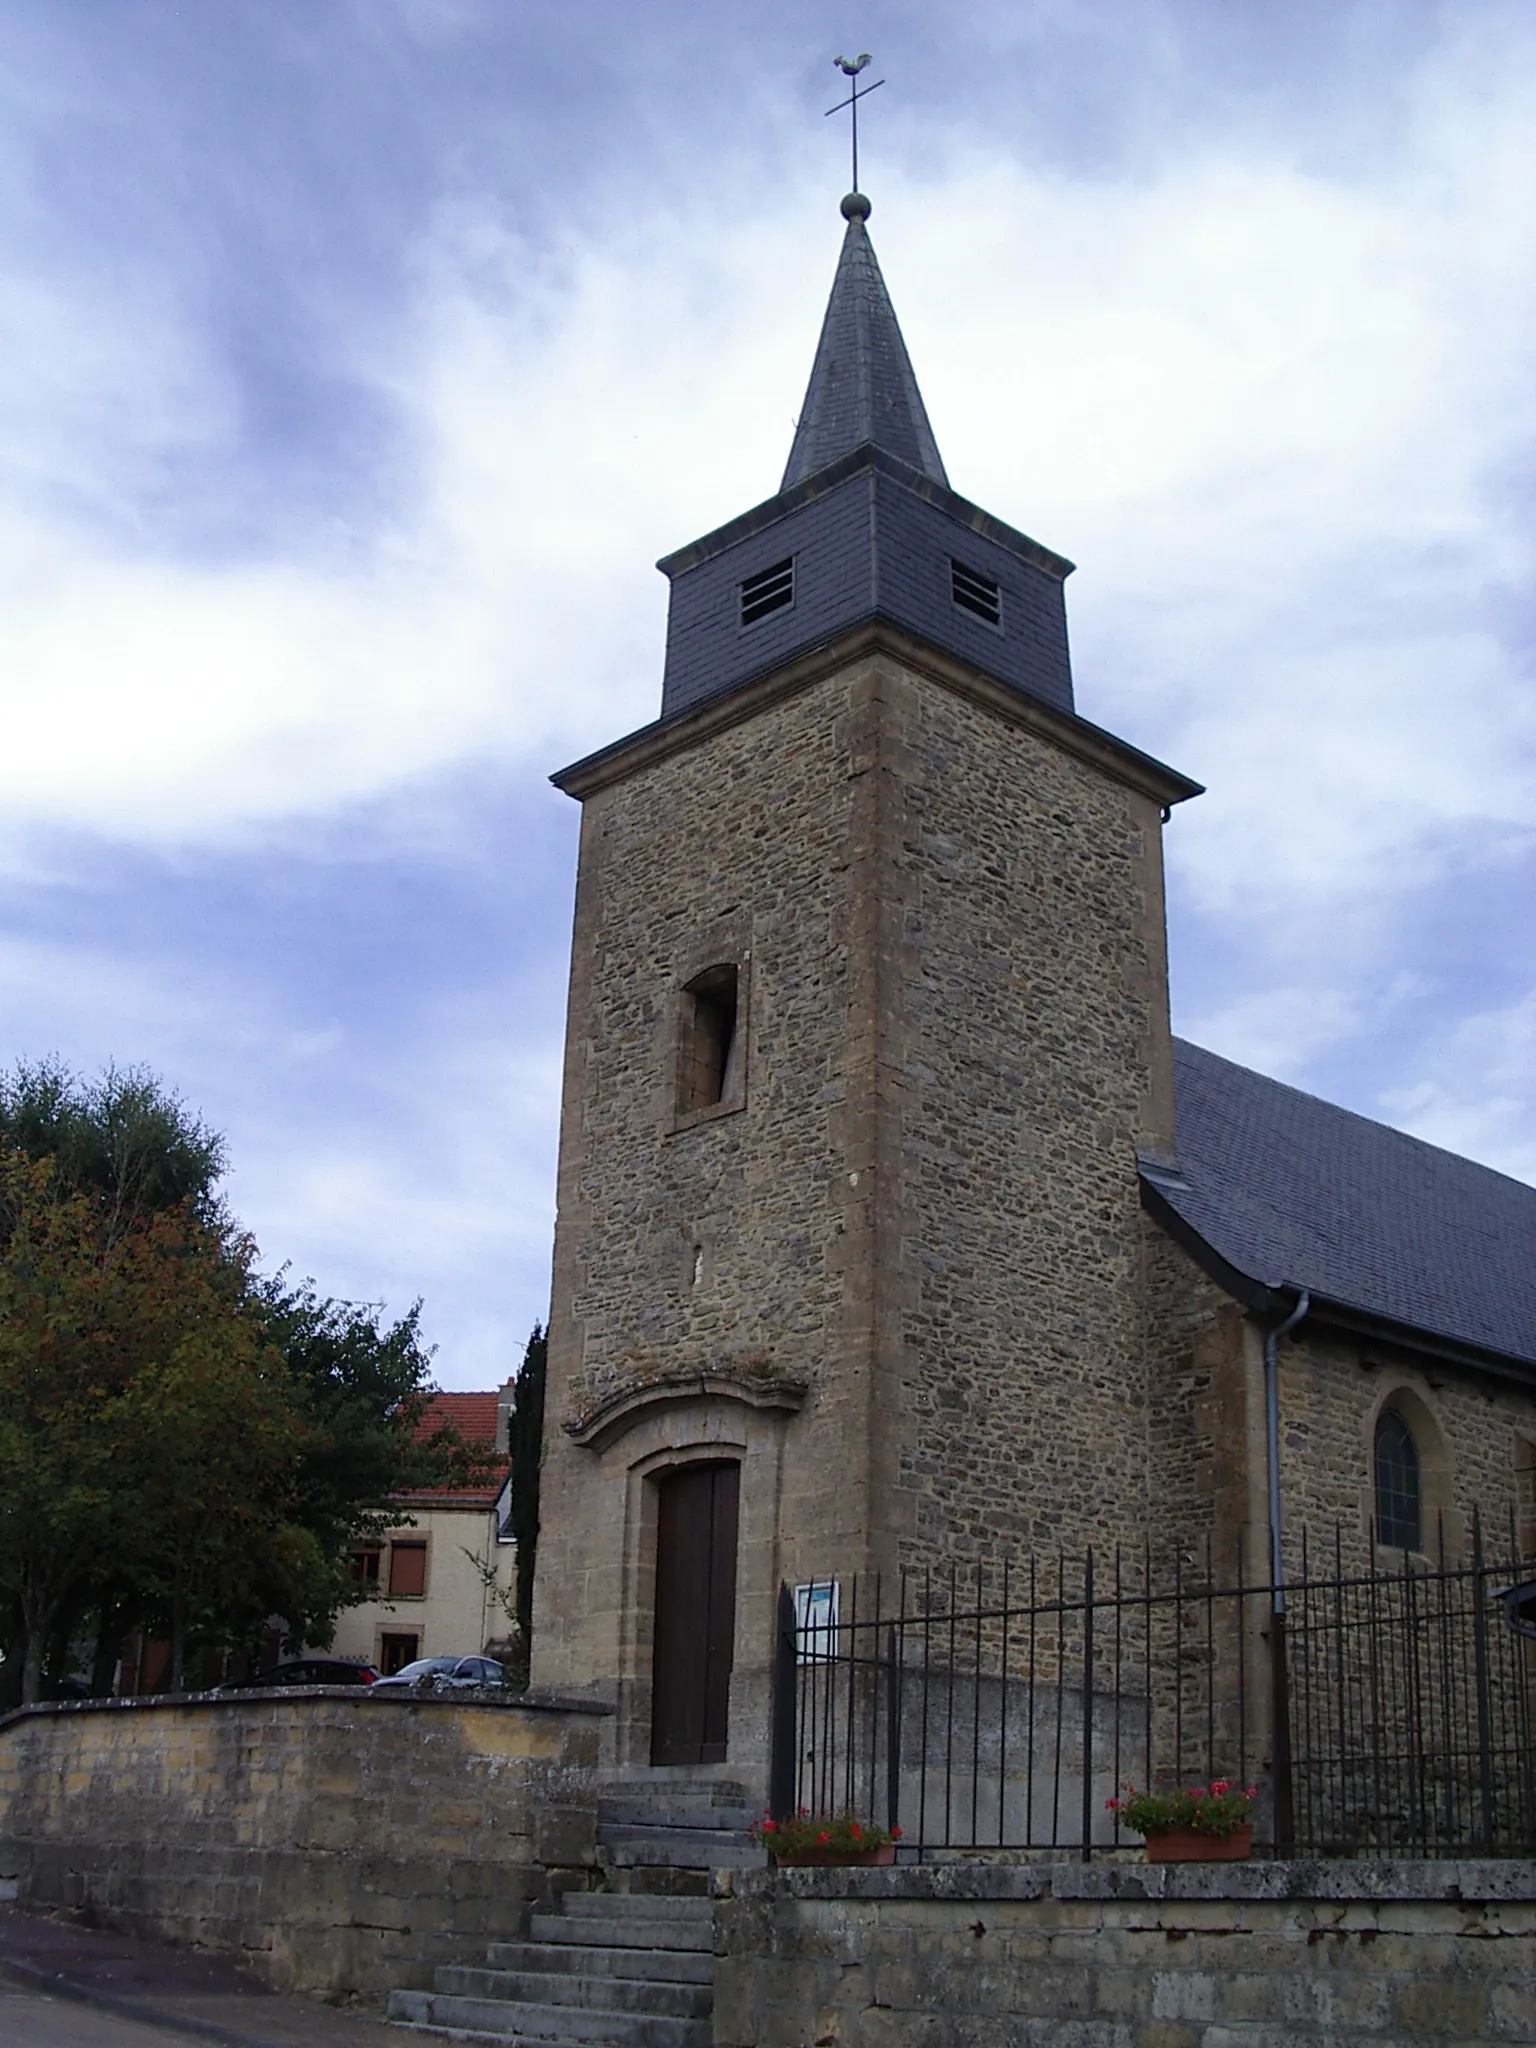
(868, 1020)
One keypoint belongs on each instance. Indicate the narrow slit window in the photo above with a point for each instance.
(976, 593)
(768, 591)
(711, 1052)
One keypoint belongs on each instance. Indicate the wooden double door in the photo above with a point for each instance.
(696, 1520)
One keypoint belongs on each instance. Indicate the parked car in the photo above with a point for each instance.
(447, 1674)
(305, 1671)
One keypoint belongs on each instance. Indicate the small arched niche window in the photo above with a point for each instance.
(710, 1067)
(1399, 1488)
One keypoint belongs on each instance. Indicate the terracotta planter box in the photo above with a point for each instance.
(845, 1859)
(1188, 1845)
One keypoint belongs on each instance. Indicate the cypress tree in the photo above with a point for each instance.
(526, 1444)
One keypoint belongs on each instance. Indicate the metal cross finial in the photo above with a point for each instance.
(850, 68)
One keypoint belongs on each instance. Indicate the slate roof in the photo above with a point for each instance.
(1296, 1193)
(864, 527)
(862, 387)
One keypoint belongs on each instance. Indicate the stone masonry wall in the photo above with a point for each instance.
(1028, 988)
(1469, 1429)
(923, 1205)
(1124, 1956)
(709, 1246)
(333, 1844)
(1476, 1434)
(1205, 1413)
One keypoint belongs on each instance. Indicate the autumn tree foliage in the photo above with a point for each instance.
(184, 1444)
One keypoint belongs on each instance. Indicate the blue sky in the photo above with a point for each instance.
(358, 359)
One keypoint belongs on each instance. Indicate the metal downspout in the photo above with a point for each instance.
(1272, 1441)
(1279, 1659)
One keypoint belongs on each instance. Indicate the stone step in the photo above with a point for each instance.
(682, 1848)
(622, 1931)
(556, 1987)
(689, 1791)
(635, 1906)
(413, 2009)
(683, 1813)
(658, 1965)
(662, 1880)
(510, 2020)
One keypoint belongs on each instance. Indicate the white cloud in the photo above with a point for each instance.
(385, 1170)
(1265, 404)
(1272, 402)
(440, 1183)
(1476, 1092)
(1277, 1030)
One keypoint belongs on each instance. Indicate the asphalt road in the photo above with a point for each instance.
(28, 2019)
(64, 1984)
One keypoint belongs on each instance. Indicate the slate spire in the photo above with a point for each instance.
(862, 388)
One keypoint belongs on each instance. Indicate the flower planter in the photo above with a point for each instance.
(1188, 1845)
(847, 1859)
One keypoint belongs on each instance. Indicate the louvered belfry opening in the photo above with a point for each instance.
(976, 593)
(694, 1643)
(770, 590)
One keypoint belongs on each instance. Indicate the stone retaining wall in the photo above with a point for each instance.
(1105, 1955)
(332, 1842)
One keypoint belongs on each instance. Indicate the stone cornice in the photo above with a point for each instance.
(1075, 736)
(595, 1425)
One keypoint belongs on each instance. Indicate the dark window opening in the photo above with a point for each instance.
(710, 1051)
(768, 591)
(395, 1652)
(364, 1568)
(407, 1570)
(976, 593)
(1399, 1520)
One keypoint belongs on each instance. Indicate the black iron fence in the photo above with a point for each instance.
(1384, 1710)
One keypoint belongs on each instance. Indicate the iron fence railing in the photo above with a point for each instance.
(1384, 1708)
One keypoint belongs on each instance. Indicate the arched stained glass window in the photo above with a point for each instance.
(1399, 1516)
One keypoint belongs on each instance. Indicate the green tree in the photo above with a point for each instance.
(124, 1140)
(212, 1442)
(363, 1387)
(183, 1444)
(130, 1148)
(139, 1398)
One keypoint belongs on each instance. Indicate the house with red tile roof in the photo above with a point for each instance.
(440, 1582)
